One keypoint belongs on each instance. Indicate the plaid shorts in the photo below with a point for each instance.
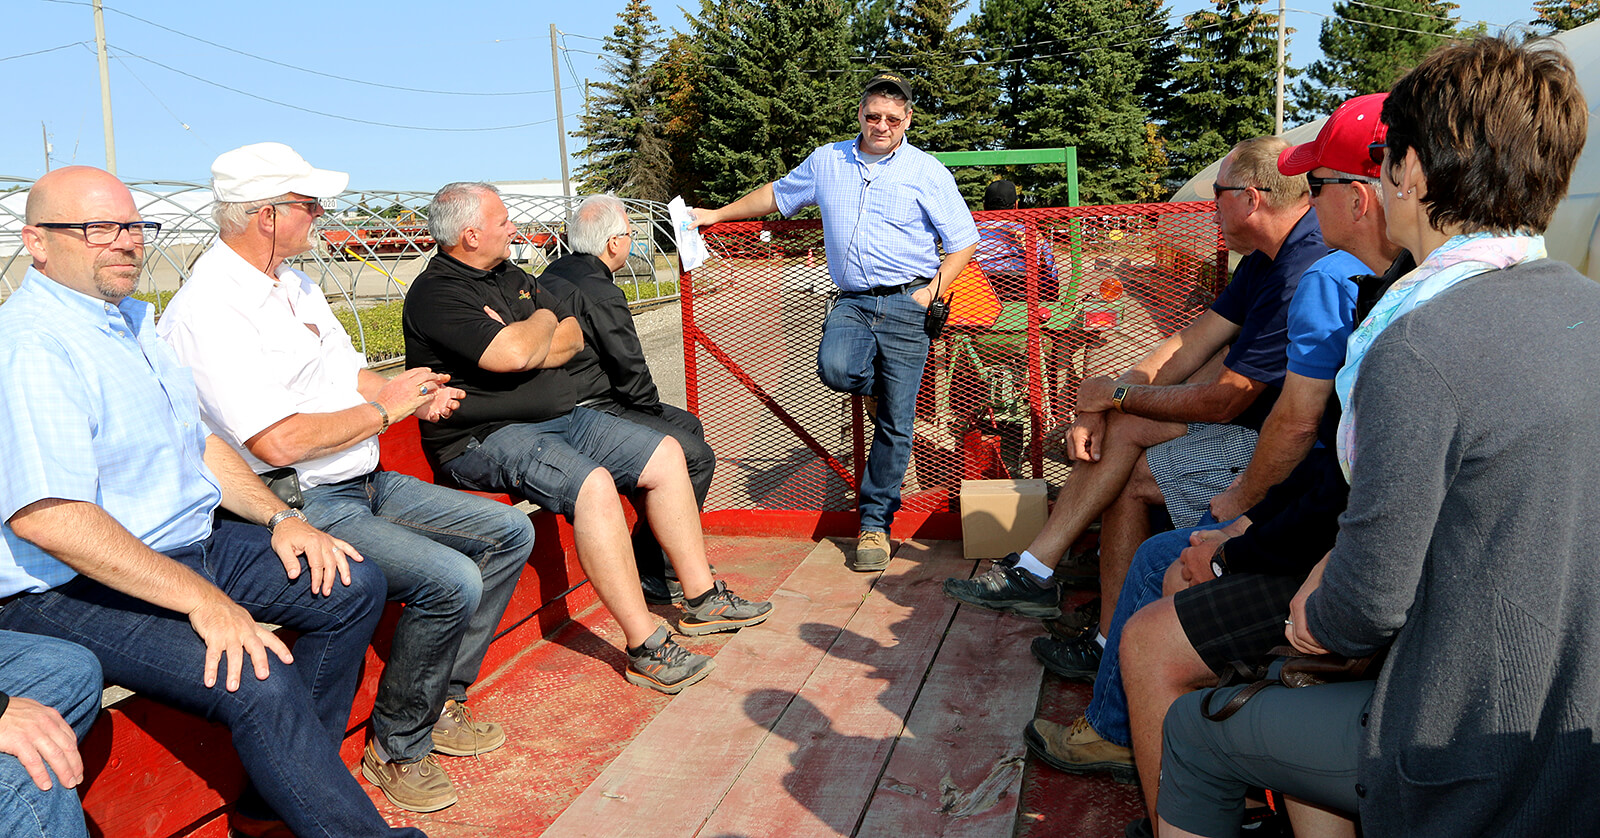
(1196, 467)
(1238, 617)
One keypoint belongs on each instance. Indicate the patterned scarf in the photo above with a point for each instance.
(1462, 257)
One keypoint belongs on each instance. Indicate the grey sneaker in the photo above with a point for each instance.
(722, 610)
(1080, 621)
(872, 552)
(458, 735)
(1009, 589)
(420, 786)
(664, 665)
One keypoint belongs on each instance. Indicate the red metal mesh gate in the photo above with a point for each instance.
(1058, 294)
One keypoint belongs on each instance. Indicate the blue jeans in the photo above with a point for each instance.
(877, 346)
(1108, 707)
(547, 462)
(454, 560)
(66, 678)
(286, 729)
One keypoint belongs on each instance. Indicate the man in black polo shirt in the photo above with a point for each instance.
(504, 341)
(611, 373)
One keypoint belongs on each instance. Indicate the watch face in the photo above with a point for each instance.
(1217, 567)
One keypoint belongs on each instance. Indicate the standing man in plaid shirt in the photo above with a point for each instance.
(887, 207)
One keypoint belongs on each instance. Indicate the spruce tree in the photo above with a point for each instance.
(1367, 46)
(776, 84)
(1223, 83)
(955, 107)
(625, 152)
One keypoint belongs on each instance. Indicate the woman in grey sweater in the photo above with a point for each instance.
(1471, 545)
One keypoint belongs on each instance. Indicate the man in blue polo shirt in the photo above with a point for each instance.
(887, 207)
(1181, 424)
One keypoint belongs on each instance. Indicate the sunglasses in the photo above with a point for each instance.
(1317, 183)
(875, 118)
(1375, 152)
(1217, 188)
(308, 203)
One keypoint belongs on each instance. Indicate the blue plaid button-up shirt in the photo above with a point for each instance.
(99, 411)
(879, 224)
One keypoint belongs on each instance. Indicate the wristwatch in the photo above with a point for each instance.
(274, 521)
(1117, 396)
(1219, 562)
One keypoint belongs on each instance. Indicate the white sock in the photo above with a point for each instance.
(1100, 638)
(1041, 574)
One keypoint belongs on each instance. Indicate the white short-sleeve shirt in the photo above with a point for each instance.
(257, 360)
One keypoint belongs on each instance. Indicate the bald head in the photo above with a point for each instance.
(75, 195)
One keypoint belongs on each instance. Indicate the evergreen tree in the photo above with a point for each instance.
(955, 109)
(869, 29)
(1367, 46)
(1223, 85)
(1561, 15)
(625, 152)
(1082, 81)
(781, 86)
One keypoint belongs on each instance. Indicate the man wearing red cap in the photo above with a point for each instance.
(280, 381)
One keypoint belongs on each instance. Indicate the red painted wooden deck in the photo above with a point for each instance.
(869, 704)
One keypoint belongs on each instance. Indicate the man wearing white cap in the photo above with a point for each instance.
(279, 381)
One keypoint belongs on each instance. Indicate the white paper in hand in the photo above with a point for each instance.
(691, 246)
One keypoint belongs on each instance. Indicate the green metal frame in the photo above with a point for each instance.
(1019, 157)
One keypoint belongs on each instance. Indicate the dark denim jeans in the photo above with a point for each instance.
(1108, 706)
(286, 729)
(877, 346)
(686, 428)
(63, 676)
(454, 560)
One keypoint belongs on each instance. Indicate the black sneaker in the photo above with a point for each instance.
(659, 590)
(1008, 589)
(661, 664)
(1077, 659)
(1085, 619)
(1080, 571)
(722, 610)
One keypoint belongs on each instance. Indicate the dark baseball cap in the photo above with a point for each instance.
(890, 80)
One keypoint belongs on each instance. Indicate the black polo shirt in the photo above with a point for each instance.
(447, 330)
(608, 328)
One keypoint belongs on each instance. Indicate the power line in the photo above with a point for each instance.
(43, 51)
(340, 117)
(1446, 34)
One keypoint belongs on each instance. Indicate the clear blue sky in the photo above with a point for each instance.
(169, 126)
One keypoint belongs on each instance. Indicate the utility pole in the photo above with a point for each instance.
(1277, 110)
(561, 123)
(44, 134)
(105, 87)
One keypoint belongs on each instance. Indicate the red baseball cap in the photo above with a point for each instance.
(1342, 142)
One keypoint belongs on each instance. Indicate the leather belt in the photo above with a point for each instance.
(911, 287)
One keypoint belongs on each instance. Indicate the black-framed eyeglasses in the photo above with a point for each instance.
(1217, 188)
(1317, 183)
(308, 202)
(1375, 151)
(106, 232)
(875, 118)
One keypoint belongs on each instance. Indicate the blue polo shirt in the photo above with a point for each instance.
(1322, 315)
(1257, 300)
(880, 222)
(108, 417)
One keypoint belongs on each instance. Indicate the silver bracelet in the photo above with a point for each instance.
(274, 521)
(382, 414)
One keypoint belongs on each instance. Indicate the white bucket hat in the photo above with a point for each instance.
(266, 170)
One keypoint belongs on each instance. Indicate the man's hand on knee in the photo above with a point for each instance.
(1086, 437)
(1194, 562)
(326, 556)
(229, 631)
(37, 736)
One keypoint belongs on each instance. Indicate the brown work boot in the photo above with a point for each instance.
(1078, 749)
(872, 552)
(457, 735)
(420, 786)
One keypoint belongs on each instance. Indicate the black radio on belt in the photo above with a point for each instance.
(933, 322)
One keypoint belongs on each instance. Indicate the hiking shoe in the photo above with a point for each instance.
(1078, 749)
(458, 735)
(420, 786)
(1080, 621)
(1009, 589)
(661, 664)
(1080, 571)
(721, 610)
(872, 552)
(659, 590)
(1077, 659)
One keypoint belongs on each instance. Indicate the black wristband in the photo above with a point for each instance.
(5, 701)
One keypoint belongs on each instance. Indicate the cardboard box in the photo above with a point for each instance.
(1001, 516)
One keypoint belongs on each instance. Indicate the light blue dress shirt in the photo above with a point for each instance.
(98, 410)
(880, 222)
